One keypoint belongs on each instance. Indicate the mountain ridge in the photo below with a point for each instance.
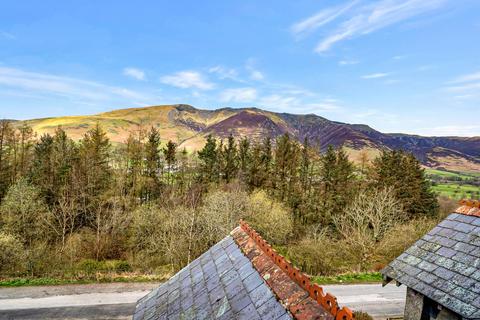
(189, 126)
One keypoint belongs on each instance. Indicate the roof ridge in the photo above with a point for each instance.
(469, 207)
(325, 300)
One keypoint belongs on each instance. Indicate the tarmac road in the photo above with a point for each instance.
(117, 300)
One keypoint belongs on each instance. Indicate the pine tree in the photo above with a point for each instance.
(305, 166)
(42, 173)
(170, 154)
(285, 166)
(152, 153)
(244, 159)
(404, 173)
(96, 173)
(230, 159)
(265, 166)
(209, 161)
(337, 176)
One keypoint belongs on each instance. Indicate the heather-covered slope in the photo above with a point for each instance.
(189, 127)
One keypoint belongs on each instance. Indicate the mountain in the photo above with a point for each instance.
(189, 127)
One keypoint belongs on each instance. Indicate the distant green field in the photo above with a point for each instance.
(456, 191)
(449, 174)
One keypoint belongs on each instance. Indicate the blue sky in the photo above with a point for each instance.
(408, 66)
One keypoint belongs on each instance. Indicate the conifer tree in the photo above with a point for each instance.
(337, 176)
(152, 153)
(404, 173)
(208, 157)
(244, 158)
(96, 173)
(6, 151)
(230, 159)
(285, 166)
(170, 154)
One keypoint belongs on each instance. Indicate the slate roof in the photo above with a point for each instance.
(444, 265)
(221, 284)
(236, 279)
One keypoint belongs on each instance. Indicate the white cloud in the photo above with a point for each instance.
(238, 95)
(255, 74)
(134, 73)
(371, 17)
(451, 130)
(319, 19)
(468, 78)
(347, 62)
(327, 105)
(468, 84)
(224, 73)
(279, 102)
(375, 75)
(188, 79)
(299, 105)
(71, 88)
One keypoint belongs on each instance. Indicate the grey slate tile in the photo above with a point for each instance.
(449, 263)
(248, 313)
(221, 284)
(260, 295)
(271, 310)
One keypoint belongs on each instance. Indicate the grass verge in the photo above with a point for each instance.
(349, 278)
(100, 278)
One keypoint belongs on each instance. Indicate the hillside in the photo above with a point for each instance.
(189, 126)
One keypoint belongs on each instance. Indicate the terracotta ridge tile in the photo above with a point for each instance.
(469, 208)
(304, 299)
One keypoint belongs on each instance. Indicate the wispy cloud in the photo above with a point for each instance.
(319, 19)
(363, 19)
(400, 57)
(255, 74)
(238, 95)
(134, 73)
(298, 104)
(7, 35)
(347, 62)
(451, 130)
(375, 75)
(466, 84)
(188, 79)
(67, 87)
(467, 78)
(224, 73)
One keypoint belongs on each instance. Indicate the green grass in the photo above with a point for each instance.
(19, 282)
(365, 277)
(456, 191)
(452, 174)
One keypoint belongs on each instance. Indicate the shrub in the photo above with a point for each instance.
(12, 255)
(270, 218)
(401, 237)
(365, 223)
(317, 257)
(23, 212)
(90, 266)
(222, 210)
(118, 266)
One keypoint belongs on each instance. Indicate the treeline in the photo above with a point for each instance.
(64, 201)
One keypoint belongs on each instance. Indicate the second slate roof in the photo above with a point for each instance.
(220, 284)
(445, 265)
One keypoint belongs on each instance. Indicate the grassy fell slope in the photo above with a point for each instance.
(189, 127)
